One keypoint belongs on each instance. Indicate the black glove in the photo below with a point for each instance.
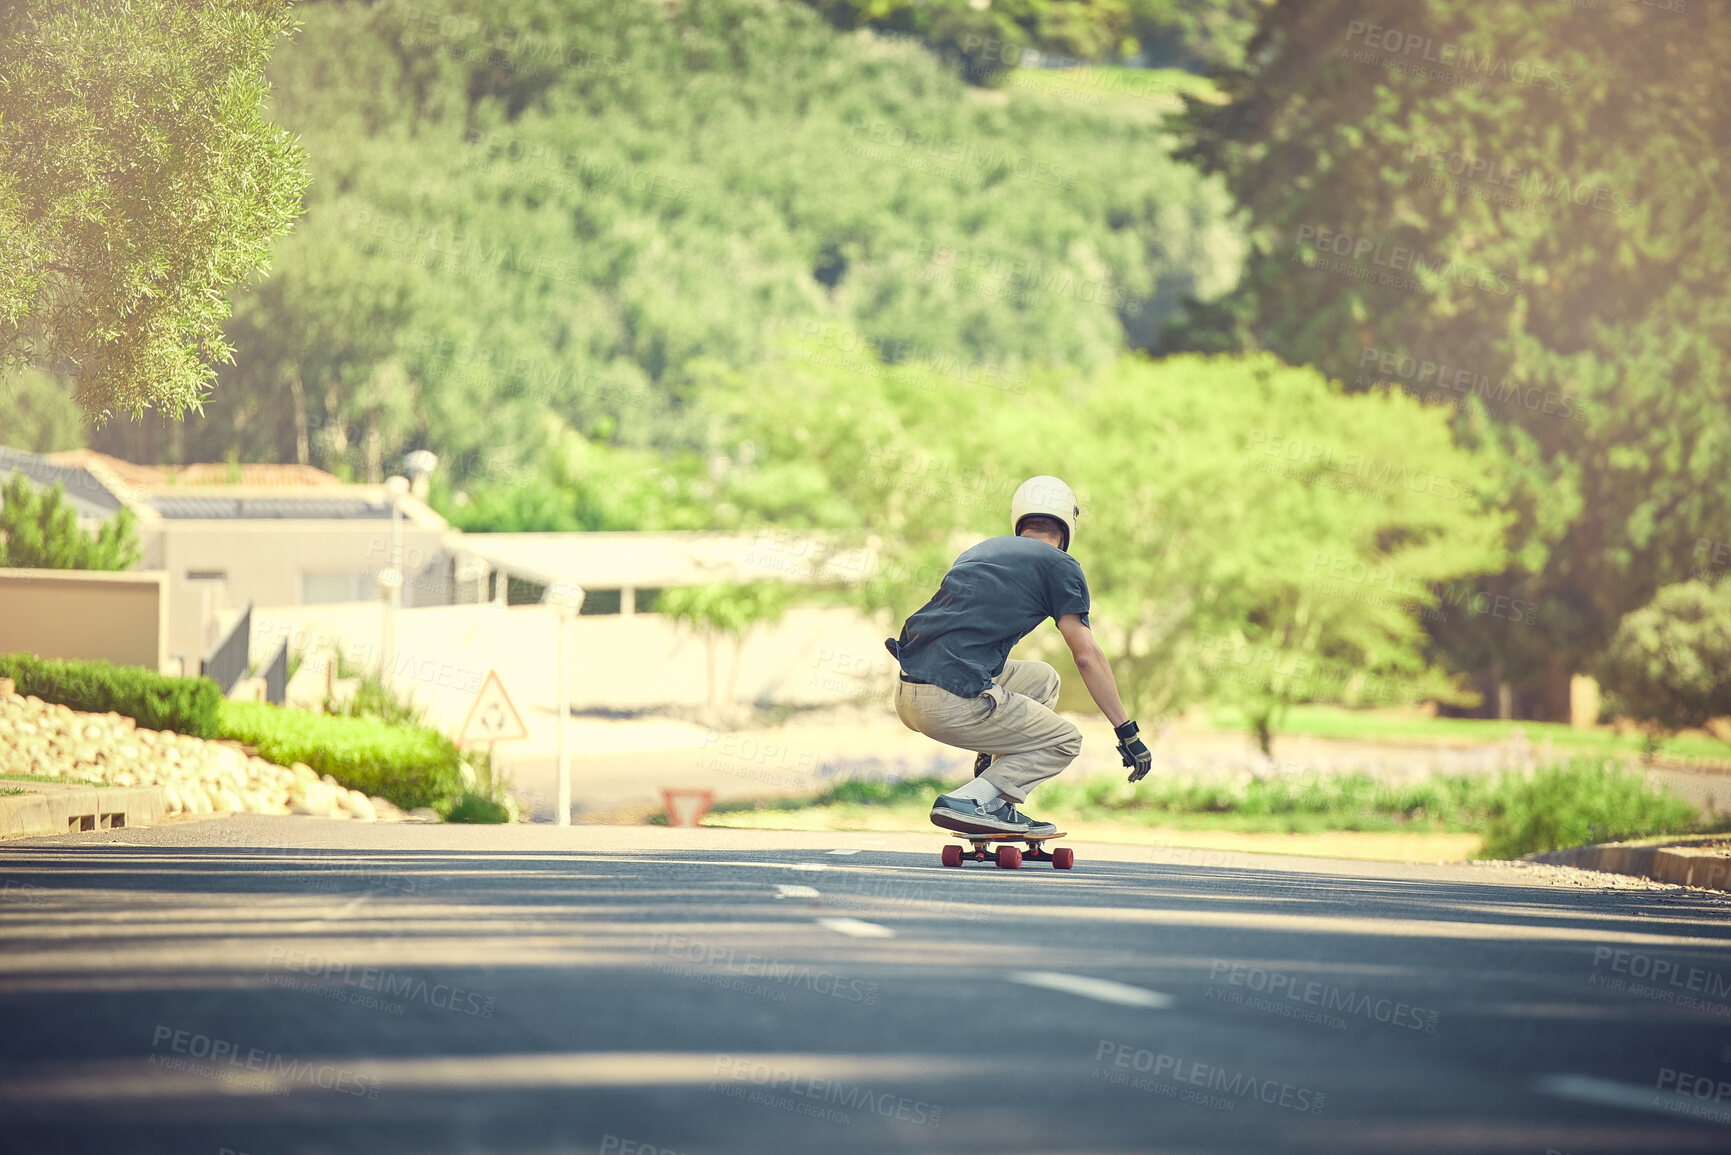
(1133, 751)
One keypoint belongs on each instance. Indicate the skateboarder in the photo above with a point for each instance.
(959, 685)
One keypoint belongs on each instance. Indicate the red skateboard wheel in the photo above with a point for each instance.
(952, 855)
(1063, 858)
(1009, 857)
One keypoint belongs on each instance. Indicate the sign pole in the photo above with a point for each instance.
(562, 753)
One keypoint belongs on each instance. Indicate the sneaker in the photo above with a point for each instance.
(1035, 826)
(981, 762)
(969, 817)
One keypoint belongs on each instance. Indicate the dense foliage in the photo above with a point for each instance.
(1249, 532)
(138, 181)
(986, 40)
(1669, 663)
(1517, 210)
(558, 215)
(157, 702)
(406, 765)
(39, 530)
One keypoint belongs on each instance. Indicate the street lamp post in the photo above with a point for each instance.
(566, 600)
(391, 582)
(420, 465)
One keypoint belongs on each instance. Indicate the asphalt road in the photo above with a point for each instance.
(258, 985)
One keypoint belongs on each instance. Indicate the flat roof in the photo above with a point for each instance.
(652, 560)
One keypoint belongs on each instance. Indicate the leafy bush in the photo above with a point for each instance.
(408, 766)
(158, 702)
(1669, 664)
(1578, 803)
(373, 699)
(39, 530)
(473, 807)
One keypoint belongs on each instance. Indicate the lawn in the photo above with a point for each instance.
(1346, 724)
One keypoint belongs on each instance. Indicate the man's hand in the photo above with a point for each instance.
(1133, 751)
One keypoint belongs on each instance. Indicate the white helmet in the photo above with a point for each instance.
(1049, 497)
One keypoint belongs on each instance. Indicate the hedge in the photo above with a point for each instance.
(157, 701)
(407, 765)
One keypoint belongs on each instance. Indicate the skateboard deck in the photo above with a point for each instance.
(1008, 857)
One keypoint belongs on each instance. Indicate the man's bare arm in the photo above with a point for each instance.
(1096, 671)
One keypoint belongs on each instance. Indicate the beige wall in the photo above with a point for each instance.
(112, 617)
(812, 656)
(266, 562)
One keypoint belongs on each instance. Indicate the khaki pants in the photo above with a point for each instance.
(1012, 719)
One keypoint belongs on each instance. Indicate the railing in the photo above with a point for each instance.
(276, 676)
(226, 662)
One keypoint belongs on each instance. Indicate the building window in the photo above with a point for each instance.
(318, 589)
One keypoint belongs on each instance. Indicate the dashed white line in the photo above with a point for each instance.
(783, 890)
(844, 852)
(1610, 1093)
(856, 928)
(1104, 990)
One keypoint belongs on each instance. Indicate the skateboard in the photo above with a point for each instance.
(1008, 857)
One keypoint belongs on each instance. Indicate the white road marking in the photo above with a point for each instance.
(844, 852)
(855, 928)
(782, 890)
(1104, 990)
(1610, 1093)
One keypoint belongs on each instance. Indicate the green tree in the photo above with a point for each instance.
(577, 210)
(1519, 206)
(138, 181)
(1251, 533)
(1669, 663)
(39, 530)
(725, 611)
(37, 413)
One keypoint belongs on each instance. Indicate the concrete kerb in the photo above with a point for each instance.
(1679, 865)
(54, 809)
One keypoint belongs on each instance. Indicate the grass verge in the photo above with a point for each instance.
(1584, 800)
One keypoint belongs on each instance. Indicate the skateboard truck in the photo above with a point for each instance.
(1008, 857)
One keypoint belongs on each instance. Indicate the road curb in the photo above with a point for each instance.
(70, 810)
(1675, 864)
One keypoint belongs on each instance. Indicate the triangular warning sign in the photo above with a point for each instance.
(686, 807)
(492, 718)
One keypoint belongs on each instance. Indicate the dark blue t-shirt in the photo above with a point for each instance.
(991, 598)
